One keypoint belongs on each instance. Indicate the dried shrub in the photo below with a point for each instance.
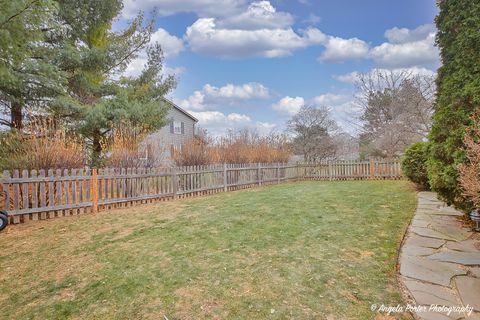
(470, 172)
(196, 152)
(236, 147)
(126, 148)
(42, 144)
(247, 147)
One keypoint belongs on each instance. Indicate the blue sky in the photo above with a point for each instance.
(252, 64)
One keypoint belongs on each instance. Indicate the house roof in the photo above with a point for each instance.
(180, 109)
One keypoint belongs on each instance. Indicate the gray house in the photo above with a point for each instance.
(180, 130)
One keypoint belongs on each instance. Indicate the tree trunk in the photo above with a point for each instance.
(16, 116)
(96, 149)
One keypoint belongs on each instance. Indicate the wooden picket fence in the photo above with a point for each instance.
(44, 194)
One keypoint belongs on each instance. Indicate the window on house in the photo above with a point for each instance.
(178, 127)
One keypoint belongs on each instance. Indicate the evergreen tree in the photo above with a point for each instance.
(95, 58)
(29, 78)
(458, 95)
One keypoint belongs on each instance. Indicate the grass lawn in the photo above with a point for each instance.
(307, 250)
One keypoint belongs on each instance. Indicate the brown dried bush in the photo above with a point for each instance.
(236, 147)
(42, 144)
(470, 172)
(126, 148)
(194, 153)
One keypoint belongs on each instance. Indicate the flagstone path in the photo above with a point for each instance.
(440, 261)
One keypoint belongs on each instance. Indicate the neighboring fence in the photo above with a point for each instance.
(47, 194)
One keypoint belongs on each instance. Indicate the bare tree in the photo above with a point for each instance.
(346, 146)
(313, 131)
(397, 108)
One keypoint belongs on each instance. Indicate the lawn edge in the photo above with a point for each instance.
(404, 292)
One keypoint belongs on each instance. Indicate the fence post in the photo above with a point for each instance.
(259, 174)
(94, 186)
(330, 171)
(372, 168)
(6, 191)
(278, 173)
(174, 182)
(225, 180)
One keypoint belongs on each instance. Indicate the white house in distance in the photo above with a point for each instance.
(179, 131)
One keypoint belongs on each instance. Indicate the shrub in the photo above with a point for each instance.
(458, 96)
(237, 147)
(42, 144)
(126, 148)
(414, 164)
(193, 153)
(469, 178)
(247, 147)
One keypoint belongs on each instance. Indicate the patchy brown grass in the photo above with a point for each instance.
(276, 252)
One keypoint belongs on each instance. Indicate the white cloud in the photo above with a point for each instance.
(289, 105)
(228, 94)
(406, 54)
(206, 37)
(136, 66)
(259, 15)
(404, 35)
(404, 48)
(353, 76)
(171, 47)
(246, 91)
(218, 123)
(213, 117)
(202, 8)
(338, 49)
(313, 36)
(265, 127)
(330, 99)
(342, 106)
(350, 77)
(194, 102)
(312, 19)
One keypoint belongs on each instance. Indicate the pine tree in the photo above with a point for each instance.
(29, 78)
(458, 95)
(95, 57)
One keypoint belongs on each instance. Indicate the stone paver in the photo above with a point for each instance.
(434, 316)
(475, 272)
(418, 251)
(467, 245)
(424, 242)
(435, 272)
(426, 294)
(440, 261)
(469, 290)
(459, 257)
(431, 233)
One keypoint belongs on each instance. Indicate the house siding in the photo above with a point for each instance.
(162, 140)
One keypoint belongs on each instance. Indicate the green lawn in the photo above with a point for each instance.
(308, 250)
